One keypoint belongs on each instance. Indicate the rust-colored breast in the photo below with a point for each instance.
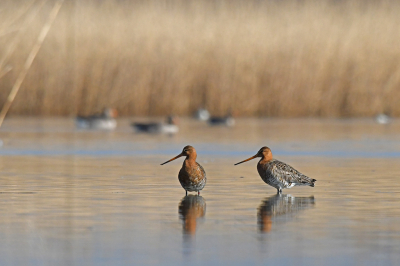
(192, 176)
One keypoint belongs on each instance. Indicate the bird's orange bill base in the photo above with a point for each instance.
(251, 158)
(176, 157)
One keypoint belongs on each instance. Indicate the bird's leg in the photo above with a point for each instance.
(198, 193)
(279, 190)
(186, 192)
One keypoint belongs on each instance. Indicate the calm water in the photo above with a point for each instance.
(71, 197)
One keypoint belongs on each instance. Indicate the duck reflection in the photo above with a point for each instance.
(191, 208)
(282, 207)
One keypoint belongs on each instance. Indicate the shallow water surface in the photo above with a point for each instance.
(73, 197)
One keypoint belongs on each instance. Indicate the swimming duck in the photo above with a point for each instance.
(170, 127)
(105, 120)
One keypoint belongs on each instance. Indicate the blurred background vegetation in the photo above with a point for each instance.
(258, 58)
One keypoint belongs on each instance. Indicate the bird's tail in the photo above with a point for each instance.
(309, 182)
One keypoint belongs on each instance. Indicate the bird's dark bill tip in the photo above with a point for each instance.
(251, 158)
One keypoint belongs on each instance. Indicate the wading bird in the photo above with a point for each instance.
(278, 174)
(192, 175)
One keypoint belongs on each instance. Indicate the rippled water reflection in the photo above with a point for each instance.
(101, 198)
(280, 208)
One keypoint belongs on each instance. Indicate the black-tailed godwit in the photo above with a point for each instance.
(278, 174)
(192, 175)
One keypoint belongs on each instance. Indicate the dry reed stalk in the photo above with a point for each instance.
(29, 60)
(5, 70)
(12, 44)
(7, 27)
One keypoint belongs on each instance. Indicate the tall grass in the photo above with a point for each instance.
(263, 58)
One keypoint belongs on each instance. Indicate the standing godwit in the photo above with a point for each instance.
(192, 175)
(278, 174)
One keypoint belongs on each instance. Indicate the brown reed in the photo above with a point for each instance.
(257, 58)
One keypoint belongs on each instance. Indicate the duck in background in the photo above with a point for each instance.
(202, 114)
(227, 120)
(103, 121)
(383, 118)
(169, 127)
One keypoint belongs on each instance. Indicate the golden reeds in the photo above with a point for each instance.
(29, 60)
(264, 58)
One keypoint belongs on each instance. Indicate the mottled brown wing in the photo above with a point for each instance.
(291, 175)
(192, 178)
(202, 169)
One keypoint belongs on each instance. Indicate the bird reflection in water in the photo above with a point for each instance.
(191, 208)
(280, 208)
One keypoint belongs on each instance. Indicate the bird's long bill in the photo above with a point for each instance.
(176, 157)
(251, 158)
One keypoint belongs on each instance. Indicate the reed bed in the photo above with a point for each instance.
(256, 58)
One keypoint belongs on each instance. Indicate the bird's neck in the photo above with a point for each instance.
(266, 159)
(191, 159)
